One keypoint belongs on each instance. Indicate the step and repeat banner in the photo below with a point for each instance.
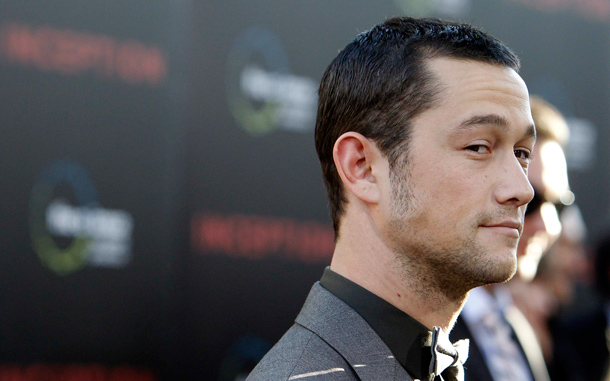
(162, 209)
(86, 266)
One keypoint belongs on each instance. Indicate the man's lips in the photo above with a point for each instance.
(510, 227)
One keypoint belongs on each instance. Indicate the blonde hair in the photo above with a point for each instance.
(550, 124)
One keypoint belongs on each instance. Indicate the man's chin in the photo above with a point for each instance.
(500, 272)
(505, 278)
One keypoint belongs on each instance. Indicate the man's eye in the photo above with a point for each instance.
(478, 148)
(522, 154)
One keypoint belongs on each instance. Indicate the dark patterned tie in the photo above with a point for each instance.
(506, 360)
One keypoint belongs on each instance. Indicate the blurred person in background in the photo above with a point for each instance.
(563, 274)
(504, 346)
(586, 332)
(596, 326)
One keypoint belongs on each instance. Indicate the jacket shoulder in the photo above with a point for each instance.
(301, 353)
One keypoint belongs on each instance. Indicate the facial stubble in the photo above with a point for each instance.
(432, 262)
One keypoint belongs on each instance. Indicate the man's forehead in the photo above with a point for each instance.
(456, 75)
(472, 95)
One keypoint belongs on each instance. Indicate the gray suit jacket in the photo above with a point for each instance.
(329, 341)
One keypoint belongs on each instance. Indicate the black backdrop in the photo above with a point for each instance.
(162, 213)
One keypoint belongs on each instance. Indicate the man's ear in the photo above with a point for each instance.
(357, 160)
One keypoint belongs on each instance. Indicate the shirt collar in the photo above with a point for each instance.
(405, 337)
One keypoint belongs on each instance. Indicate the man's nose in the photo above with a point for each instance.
(515, 188)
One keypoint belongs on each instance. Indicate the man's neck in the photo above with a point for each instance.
(364, 259)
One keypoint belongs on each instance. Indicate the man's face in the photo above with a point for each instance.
(549, 177)
(456, 212)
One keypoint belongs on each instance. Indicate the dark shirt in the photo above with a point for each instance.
(407, 339)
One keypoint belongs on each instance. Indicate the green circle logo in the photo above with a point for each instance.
(59, 259)
(256, 65)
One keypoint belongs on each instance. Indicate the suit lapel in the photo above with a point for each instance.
(527, 339)
(344, 330)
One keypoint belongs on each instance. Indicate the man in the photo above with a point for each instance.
(503, 344)
(424, 133)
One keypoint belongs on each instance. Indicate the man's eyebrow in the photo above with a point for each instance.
(494, 120)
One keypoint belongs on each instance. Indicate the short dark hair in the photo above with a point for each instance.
(379, 82)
